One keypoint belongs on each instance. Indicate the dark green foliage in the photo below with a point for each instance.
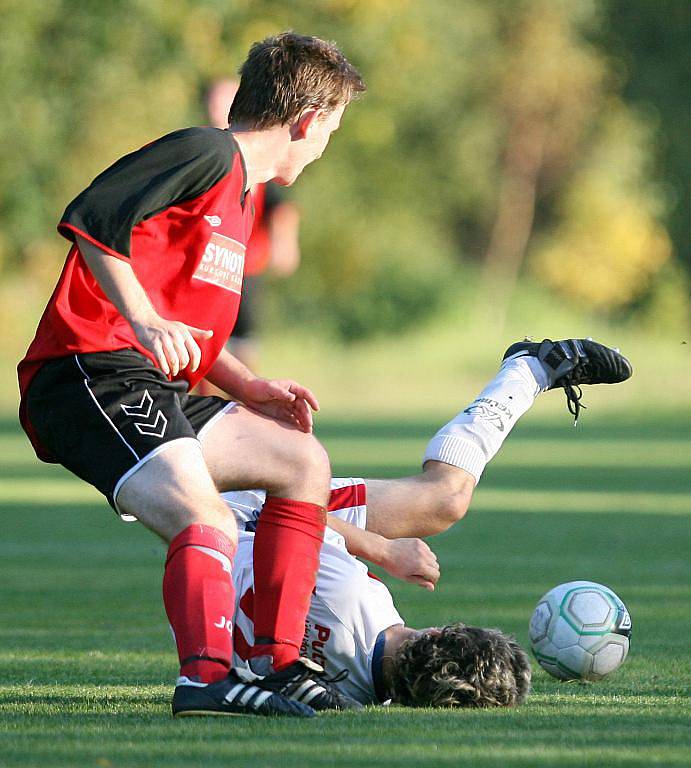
(651, 42)
(412, 187)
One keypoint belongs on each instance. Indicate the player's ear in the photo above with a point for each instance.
(301, 127)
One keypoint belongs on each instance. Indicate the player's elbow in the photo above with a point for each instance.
(451, 507)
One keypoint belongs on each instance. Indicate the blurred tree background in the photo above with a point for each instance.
(500, 140)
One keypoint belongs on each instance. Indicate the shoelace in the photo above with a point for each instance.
(338, 677)
(573, 400)
(335, 694)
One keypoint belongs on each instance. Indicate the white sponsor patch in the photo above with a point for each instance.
(223, 263)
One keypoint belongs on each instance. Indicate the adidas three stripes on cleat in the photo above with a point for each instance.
(232, 696)
(573, 362)
(306, 682)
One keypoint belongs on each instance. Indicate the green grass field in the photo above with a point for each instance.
(87, 661)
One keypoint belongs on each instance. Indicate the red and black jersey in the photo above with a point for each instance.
(265, 198)
(177, 210)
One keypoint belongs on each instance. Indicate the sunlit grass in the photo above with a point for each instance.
(87, 662)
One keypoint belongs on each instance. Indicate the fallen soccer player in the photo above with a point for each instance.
(353, 630)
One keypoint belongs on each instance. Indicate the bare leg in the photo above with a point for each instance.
(174, 490)
(245, 450)
(173, 495)
(179, 487)
(176, 495)
(420, 505)
(431, 502)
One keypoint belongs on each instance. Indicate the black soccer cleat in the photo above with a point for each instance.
(232, 696)
(573, 362)
(306, 682)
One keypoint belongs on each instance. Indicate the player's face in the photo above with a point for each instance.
(308, 143)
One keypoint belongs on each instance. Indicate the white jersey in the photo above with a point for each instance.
(349, 609)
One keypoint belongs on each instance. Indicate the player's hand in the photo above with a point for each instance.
(411, 560)
(173, 344)
(282, 399)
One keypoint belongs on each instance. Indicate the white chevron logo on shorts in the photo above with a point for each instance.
(154, 426)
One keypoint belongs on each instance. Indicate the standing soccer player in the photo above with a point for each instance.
(273, 247)
(141, 312)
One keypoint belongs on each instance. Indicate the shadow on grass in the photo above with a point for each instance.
(665, 480)
(628, 426)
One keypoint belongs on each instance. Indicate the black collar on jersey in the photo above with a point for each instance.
(245, 188)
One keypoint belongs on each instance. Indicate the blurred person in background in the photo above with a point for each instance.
(273, 247)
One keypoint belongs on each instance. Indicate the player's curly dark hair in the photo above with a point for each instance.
(288, 73)
(460, 666)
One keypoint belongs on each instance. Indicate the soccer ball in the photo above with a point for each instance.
(580, 631)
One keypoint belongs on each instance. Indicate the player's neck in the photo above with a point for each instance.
(394, 636)
(260, 150)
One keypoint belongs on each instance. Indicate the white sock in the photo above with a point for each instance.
(474, 436)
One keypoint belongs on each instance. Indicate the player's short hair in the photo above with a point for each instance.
(460, 666)
(288, 73)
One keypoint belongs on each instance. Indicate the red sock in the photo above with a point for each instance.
(199, 597)
(286, 560)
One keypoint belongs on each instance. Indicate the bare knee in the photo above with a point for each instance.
(249, 450)
(308, 472)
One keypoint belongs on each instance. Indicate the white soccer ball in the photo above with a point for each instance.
(580, 631)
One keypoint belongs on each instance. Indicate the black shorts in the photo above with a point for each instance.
(104, 414)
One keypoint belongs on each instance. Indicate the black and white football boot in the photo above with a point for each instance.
(573, 362)
(232, 696)
(305, 681)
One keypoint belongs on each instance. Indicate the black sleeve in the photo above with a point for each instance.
(274, 195)
(177, 167)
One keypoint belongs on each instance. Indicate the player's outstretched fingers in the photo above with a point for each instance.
(304, 394)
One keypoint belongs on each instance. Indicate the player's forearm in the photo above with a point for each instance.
(408, 559)
(172, 344)
(230, 375)
(360, 543)
(119, 283)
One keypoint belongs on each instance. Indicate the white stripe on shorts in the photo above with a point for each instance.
(159, 449)
(226, 408)
(98, 405)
